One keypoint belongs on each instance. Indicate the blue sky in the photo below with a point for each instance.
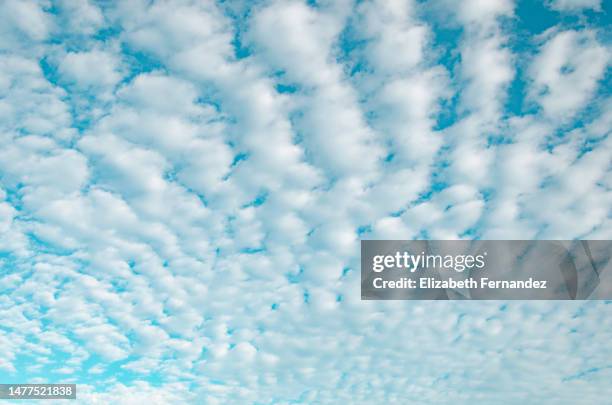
(183, 187)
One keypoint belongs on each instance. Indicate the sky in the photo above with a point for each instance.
(184, 184)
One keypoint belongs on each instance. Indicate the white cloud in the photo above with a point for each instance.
(479, 13)
(30, 103)
(183, 229)
(161, 94)
(81, 16)
(566, 72)
(332, 122)
(399, 38)
(88, 70)
(23, 18)
(574, 5)
(165, 28)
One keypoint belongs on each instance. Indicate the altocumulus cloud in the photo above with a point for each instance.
(183, 187)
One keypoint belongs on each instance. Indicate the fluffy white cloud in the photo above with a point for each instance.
(183, 187)
(80, 16)
(566, 72)
(29, 102)
(23, 18)
(91, 69)
(298, 40)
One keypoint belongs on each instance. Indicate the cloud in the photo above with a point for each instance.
(569, 5)
(183, 188)
(23, 20)
(30, 103)
(88, 70)
(566, 72)
(81, 16)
